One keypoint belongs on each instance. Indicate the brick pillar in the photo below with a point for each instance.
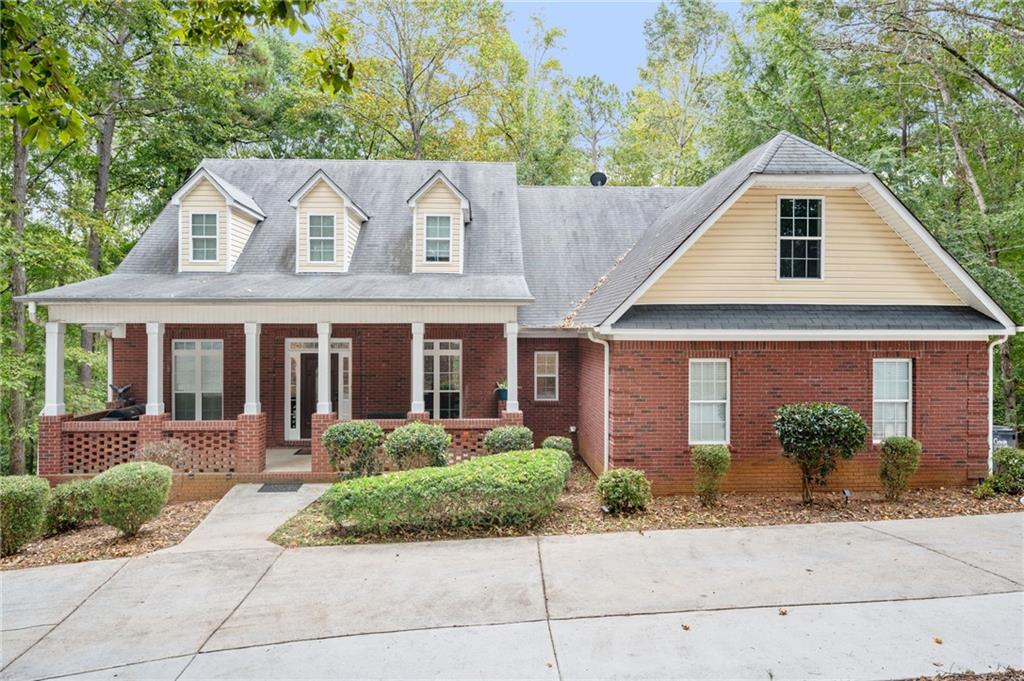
(49, 459)
(151, 428)
(251, 443)
(417, 416)
(511, 418)
(320, 423)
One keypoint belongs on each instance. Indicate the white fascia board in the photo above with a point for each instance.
(822, 335)
(850, 181)
(321, 176)
(439, 176)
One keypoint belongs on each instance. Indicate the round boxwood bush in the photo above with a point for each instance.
(624, 490)
(354, 446)
(508, 439)
(22, 510)
(710, 463)
(71, 505)
(130, 494)
(418, 444)
(899, 458)
(557, 442)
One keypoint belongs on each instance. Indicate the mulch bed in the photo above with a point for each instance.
(1005, 675)
(95, 540)
(579, 512)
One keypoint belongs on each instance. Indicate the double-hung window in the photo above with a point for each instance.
(442, 378)
(709, 401)
(204, 236)
(321, 238)
(891, 403)
(198, 379)
(545, 376)
(438, 246)
(800, 238)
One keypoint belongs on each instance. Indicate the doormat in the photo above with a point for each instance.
(279, 487)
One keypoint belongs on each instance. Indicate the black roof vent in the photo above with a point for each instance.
(598, 179)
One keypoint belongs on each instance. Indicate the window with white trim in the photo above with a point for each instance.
(800, 238)
(442, 378)
(198, 380)
(545, 376)
(709, 401)
(891, 402)
(321, 238)
(438, 246)
(204, 236)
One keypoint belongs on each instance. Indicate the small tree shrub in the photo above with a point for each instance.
(22, 510)
(418, 444)
(815, 434)
(624, 490)
(710, 463)
(70, 506)
(900, 457)
(503, 490)
(354, 446)
(131, 494)
(557, 442)
(174, 454)
(508, 439)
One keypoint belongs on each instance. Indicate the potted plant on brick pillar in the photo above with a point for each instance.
(502, 390)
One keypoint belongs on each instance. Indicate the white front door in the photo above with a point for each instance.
(300, 367)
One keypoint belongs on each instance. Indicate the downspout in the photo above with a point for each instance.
(991, 394)
(607, 390)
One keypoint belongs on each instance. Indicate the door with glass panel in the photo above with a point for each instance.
(302, 365)
(442, 378)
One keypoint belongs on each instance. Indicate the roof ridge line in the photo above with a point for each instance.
(835, 156)
(768, 154)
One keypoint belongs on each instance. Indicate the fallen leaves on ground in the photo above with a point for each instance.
(96, 541)
(1004, 675)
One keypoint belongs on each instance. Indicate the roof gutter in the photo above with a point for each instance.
(607, 392)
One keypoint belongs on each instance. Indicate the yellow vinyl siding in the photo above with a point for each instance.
(352, 234)
(203, 198)
(438, 200)
(736, 261)
(321, 200)
(241, 229)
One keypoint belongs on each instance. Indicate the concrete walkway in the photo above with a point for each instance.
(882, 600)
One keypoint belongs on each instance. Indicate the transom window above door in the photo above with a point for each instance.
(204, 236)
(801, 230)
(438, 247)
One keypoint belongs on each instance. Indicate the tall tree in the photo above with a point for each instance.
(598, 107)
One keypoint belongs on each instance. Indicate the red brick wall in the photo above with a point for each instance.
(650, 397)
(546, 417)
(590, 419)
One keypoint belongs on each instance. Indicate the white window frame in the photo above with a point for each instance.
(779, 238)
(432, 353)
(538, 375)
(197, 352)
(427, 239)
(728, 400)
(192, 237)
(310, 237)
(910, 395)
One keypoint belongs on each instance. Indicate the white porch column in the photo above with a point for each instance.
(252, 369)
(154, 368)
(110, 367)
(323, 370)
(418, 403)
(54, 397)
(512, 365)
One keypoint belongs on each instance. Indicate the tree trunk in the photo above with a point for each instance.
(805, 485)
(1009, 384)
(18, 284)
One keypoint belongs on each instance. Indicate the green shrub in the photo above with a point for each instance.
(354, 446)
(899, 458)
(624, 490)
(710, 463)
(557, 442)
(130, 494)
(814, 434)
(418, 444)
(1008, 471)
(71, 505)
(985, 489)
(508, 439)
(172, 453)
(503, 490)
(22, 510)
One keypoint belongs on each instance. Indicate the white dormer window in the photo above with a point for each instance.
(321, 238)
(438, 247)
(204, 236)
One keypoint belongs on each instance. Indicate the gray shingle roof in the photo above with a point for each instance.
(237, 195)
(807, 317)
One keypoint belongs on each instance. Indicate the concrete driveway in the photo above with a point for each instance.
(880, 600)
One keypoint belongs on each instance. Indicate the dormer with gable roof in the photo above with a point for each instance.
(327, 225)
(440, 212)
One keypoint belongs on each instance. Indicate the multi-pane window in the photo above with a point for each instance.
(800, 235)
(321, 238)
(198, 380)
(709, 401)
(545, 375)
(892, 396)
(442, 378)
(439, 238)
(204, 236)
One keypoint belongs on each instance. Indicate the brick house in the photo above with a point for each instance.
(271, 298)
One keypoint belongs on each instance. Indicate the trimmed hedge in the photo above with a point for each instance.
(22, 510)
(710, 463)
(71, 505)
(557, 442)
(815, 435)
(418, 444)
(354, 446)
(899, 458)
(130, 494)
(503, 490)
(624, 490)
(508, 439)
